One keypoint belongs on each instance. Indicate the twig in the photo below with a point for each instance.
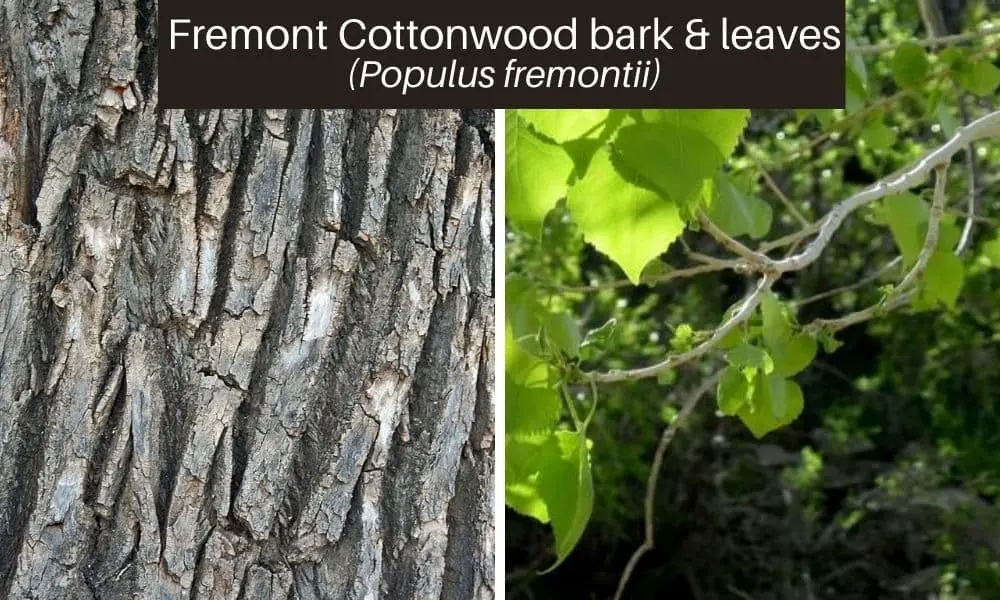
(716, 265)
(904, 292)
(792, 238)
(755, 259)
(892, 264)
(976, 218)
(947, 40)
(970, 160)
(745, 310)
(933, 228)
(654, 475)
(854, 318)
(743, 595)
(771, 183)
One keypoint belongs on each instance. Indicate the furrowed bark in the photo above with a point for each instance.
(243, 354)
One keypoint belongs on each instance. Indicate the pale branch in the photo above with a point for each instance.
(711, 260)
(791, 238)
(772, 270)
(854, 318)
(905, 291)
(947, 40)
(970, 215)
(973, 173)
(744, 311)
(669, 432)
(984, 127)
(755, 259)
(933, 228)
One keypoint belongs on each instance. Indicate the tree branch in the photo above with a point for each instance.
(933, 228)
(754, 259)
(984, 127)
(789, 206)
(654, 475)
(853, 286)
(935, 160)
(947, 40)
(745, 310)
(905, 291)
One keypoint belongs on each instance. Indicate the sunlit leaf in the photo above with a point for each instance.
(537, 174)
(630, 224)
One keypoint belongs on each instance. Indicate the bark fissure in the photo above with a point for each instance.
(243, 353)
(246, 158)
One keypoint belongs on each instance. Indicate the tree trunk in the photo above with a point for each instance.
(243, 354)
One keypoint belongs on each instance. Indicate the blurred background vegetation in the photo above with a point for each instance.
(888, 484)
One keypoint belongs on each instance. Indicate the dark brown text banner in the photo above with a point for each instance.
(512, 53)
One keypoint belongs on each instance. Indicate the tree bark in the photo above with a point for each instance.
(243, 353)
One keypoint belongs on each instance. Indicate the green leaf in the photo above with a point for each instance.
(905, 213)
(910, 65)
(857, 69)
(794, 354)
(531, 412)
(722, 126)
(791, 352)
(536, 175)
(823, 115)
(601, 336)
(677, 150)
(733, 391)
(776, 402)
(521, 366)
(567, 488)
(738, 213)
(732, 339)
(828, 340)
(582, 150)
(630, 224)
(564, 124)
(856, 91)
(674, 158)
(562, 330)
(980, 78)
(683, 338)
(944, 117)
(877, 135)
(942, 281)
(653, 270)
(954, 57)
(523, 463)
(523, 309)
(991, 252)
(748, 356)
(775, 323)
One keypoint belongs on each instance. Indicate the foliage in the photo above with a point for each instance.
(617, 296)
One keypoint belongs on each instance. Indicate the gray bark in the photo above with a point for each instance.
(243, 354)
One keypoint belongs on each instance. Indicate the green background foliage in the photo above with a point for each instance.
(867, 467)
